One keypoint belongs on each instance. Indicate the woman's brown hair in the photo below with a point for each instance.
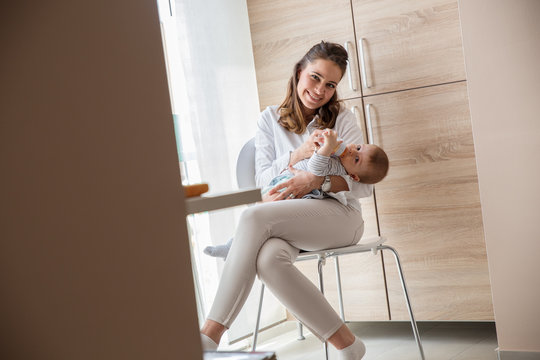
(290, 110)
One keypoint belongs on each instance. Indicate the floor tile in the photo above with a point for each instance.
(395, 340)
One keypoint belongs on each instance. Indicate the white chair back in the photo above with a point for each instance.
(245, 166)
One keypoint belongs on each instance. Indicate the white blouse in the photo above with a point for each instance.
(273, 144)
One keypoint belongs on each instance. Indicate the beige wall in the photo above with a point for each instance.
(94, 258)
(502, 52)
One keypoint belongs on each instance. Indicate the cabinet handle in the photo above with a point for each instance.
(349, 73)
(363, 63)
(368, 121)
(356, 111)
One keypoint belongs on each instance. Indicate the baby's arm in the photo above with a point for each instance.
(321, 165)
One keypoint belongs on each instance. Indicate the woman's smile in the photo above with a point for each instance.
(314, 97)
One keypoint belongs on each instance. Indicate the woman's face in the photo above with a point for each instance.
(317, 84)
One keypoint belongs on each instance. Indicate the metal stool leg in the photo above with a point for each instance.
(407, 300)
(339, 291)
(321, 261)
(300, 328)
(256, 331)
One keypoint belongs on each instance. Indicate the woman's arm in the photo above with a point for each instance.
(306, 149)
(269, 159)
(338, 183)
(303, 183)
(267, 164)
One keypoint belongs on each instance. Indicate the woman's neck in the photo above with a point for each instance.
(309, 114)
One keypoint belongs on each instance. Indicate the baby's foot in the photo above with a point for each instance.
(208, 344)
(355, 351)
(219, 250)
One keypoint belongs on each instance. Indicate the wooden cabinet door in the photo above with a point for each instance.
(429, 206)
(408, 43)
(283, 31)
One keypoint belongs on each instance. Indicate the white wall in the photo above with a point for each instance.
(502, 54)
(94, 255)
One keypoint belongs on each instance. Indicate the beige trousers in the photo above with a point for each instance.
(267, 242)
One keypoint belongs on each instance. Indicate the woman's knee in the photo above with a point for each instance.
(254, 216)
(273, 256)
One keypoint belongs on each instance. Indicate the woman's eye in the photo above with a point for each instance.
(358, 148)
(314, 77)
(331, 86)
(356, 159)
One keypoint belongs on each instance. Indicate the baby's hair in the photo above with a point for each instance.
(378, 166)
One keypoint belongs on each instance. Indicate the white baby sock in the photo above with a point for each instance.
(355, 351)
(208, 344)
(219, 250)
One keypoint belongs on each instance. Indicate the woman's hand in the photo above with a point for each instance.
(267, 197)
(307, 148)
(296, 187)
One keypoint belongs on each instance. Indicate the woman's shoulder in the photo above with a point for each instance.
(270, 114)
(347, 126)
(345, 115)
(271, 111)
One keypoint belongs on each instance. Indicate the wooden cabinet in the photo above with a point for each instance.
(429, 204)
(416, 92)
(408, 43)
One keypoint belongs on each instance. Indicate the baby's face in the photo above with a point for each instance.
(354, 159)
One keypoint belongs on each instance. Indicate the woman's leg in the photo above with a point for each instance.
(304, 224)
(303, 299)
(275, 266)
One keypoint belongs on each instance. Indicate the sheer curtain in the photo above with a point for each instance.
(215, 105)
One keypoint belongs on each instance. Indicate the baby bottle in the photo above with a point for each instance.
(340, 149)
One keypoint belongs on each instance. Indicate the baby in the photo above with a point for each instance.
(364, 163)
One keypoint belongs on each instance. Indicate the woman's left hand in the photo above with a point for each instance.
(301, 184)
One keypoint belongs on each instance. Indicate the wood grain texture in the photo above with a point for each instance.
(409, 43)
(429, 204)
(283, 31)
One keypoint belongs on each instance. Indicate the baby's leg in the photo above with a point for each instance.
(281, 178)
(219, 250)
(223, 250)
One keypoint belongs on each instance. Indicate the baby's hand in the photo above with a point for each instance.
(330, 135)
(330, 142)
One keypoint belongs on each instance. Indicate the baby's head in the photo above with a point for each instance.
(365, 163)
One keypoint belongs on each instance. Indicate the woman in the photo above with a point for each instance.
(269, 236)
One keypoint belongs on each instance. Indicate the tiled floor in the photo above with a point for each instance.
(393, 341)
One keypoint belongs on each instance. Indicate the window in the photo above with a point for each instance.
(215, 104)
